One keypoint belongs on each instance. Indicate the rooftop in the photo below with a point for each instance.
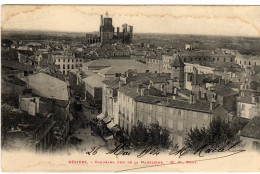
(16, 65)
(122, 63)
(252, 130)
(95, 81)
(47, 86)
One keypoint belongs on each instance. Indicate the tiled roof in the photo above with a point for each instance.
(112, 83)
(177, 62)
(15, 65)
(159, 79)
(225, 90)
(95, 81)
(200, 106)
(15, 80)
(245, 99)
(126, 63)
(252, 129)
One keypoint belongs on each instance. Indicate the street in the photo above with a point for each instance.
(88, 140)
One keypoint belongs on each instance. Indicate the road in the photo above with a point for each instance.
(88, 140)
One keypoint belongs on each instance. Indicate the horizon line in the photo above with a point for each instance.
(39, 30)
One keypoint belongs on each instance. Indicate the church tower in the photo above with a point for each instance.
(177, 71)
(106, 29)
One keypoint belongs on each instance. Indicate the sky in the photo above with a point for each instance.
(207, 20)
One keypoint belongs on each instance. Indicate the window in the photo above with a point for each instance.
(72, 66)
(193, 126)
(68, 60)
(205, 116)
(179, 112)
(151, 107)
(179, 141)
(68, 66)
(63, 72)
(171, 136)
(180, 125)
(170, 124)
(160, 120)
(76, 65)
(60, 67)
(194, 115)
(63, 60)
(58, 60)
(63, 66)
(224, 59)
(72, 60)
(149, 119)
(170, 111)
(243, 107)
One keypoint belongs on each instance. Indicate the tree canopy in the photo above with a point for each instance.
(217, 134)
(153, 135)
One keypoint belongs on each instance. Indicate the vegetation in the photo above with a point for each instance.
(216, 135)
(152, 136)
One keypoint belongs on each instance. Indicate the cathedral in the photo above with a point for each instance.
(107, 34)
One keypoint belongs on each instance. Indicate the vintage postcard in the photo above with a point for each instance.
(102, 88)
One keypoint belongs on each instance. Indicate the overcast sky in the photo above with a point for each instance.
(209, 20)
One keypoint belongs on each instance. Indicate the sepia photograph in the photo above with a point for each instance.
(130, 88)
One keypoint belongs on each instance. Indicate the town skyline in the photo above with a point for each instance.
(208, 20)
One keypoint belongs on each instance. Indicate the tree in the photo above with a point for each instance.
(154, 135)
(216, 135)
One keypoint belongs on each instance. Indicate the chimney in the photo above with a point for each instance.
(175, 91)
(119, 84)
(142, 92)
(254, 99)
(211, 106)
(192, 99)
(102, 21)
(117, 31)
(199, 95)
(195, 74)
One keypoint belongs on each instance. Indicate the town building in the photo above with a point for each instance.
(247, 60)
(174, 113)
(248, 104)
(67, 61)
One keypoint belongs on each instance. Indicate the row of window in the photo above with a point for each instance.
(70, 66)
(68, 60)
(245, 63)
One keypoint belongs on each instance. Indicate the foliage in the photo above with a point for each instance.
(216, 135)
(154, 135)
